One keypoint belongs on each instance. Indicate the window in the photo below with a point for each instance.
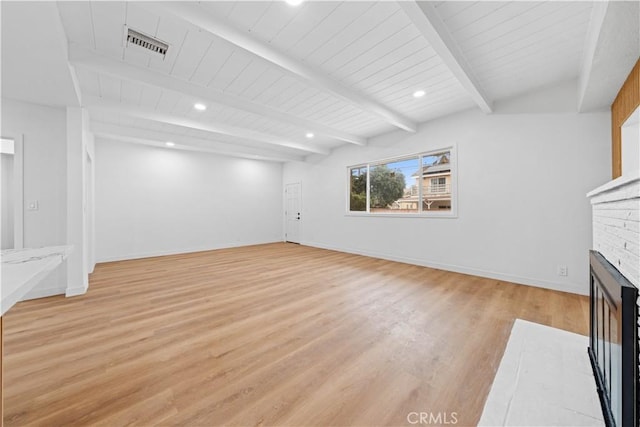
(358, 189)
(438, 185)
(419, 184)
(391, 186)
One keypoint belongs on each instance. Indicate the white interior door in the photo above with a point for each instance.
(292, 212)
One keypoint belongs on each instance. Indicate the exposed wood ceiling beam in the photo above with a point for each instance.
(184, 142)
(93, 103)
(199, 18)
(596, 22)
(82, 57)
(425, 17)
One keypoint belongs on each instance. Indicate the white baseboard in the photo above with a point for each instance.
(571, 288)
(43, 293)
(73, 292)
(140, 255)
(49, 292)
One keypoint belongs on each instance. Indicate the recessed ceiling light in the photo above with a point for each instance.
(294, 2)
(309, 135)
(200, 107)
(170, 144)
(419, 93)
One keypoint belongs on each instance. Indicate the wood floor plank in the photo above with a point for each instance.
(276, 334)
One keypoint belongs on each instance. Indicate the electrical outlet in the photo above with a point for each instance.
(563, 270)
(33, 205)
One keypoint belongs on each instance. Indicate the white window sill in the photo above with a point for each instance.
(448, 215)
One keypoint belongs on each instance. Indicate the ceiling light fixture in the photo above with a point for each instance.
(309, 135)
(170, 144)
(294, 2)
(419, 93)
(200, 107)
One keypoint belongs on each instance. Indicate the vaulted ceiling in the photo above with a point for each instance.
(270, 74)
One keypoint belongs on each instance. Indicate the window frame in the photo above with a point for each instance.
(452, 213)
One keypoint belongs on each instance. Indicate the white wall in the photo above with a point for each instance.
(45, 163)
(154, 201)
(522, 205)
(631, 144)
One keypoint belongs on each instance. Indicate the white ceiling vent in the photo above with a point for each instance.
(146, 42)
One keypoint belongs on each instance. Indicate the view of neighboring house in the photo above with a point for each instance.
(436, 187)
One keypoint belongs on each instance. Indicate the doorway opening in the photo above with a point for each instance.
(11, 183)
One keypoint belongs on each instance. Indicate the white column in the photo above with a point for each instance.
(77, 278)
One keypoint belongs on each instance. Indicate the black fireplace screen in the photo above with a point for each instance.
(613, 342)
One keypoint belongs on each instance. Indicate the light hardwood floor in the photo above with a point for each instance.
(275, 334)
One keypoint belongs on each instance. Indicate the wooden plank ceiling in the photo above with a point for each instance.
(270, 73)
